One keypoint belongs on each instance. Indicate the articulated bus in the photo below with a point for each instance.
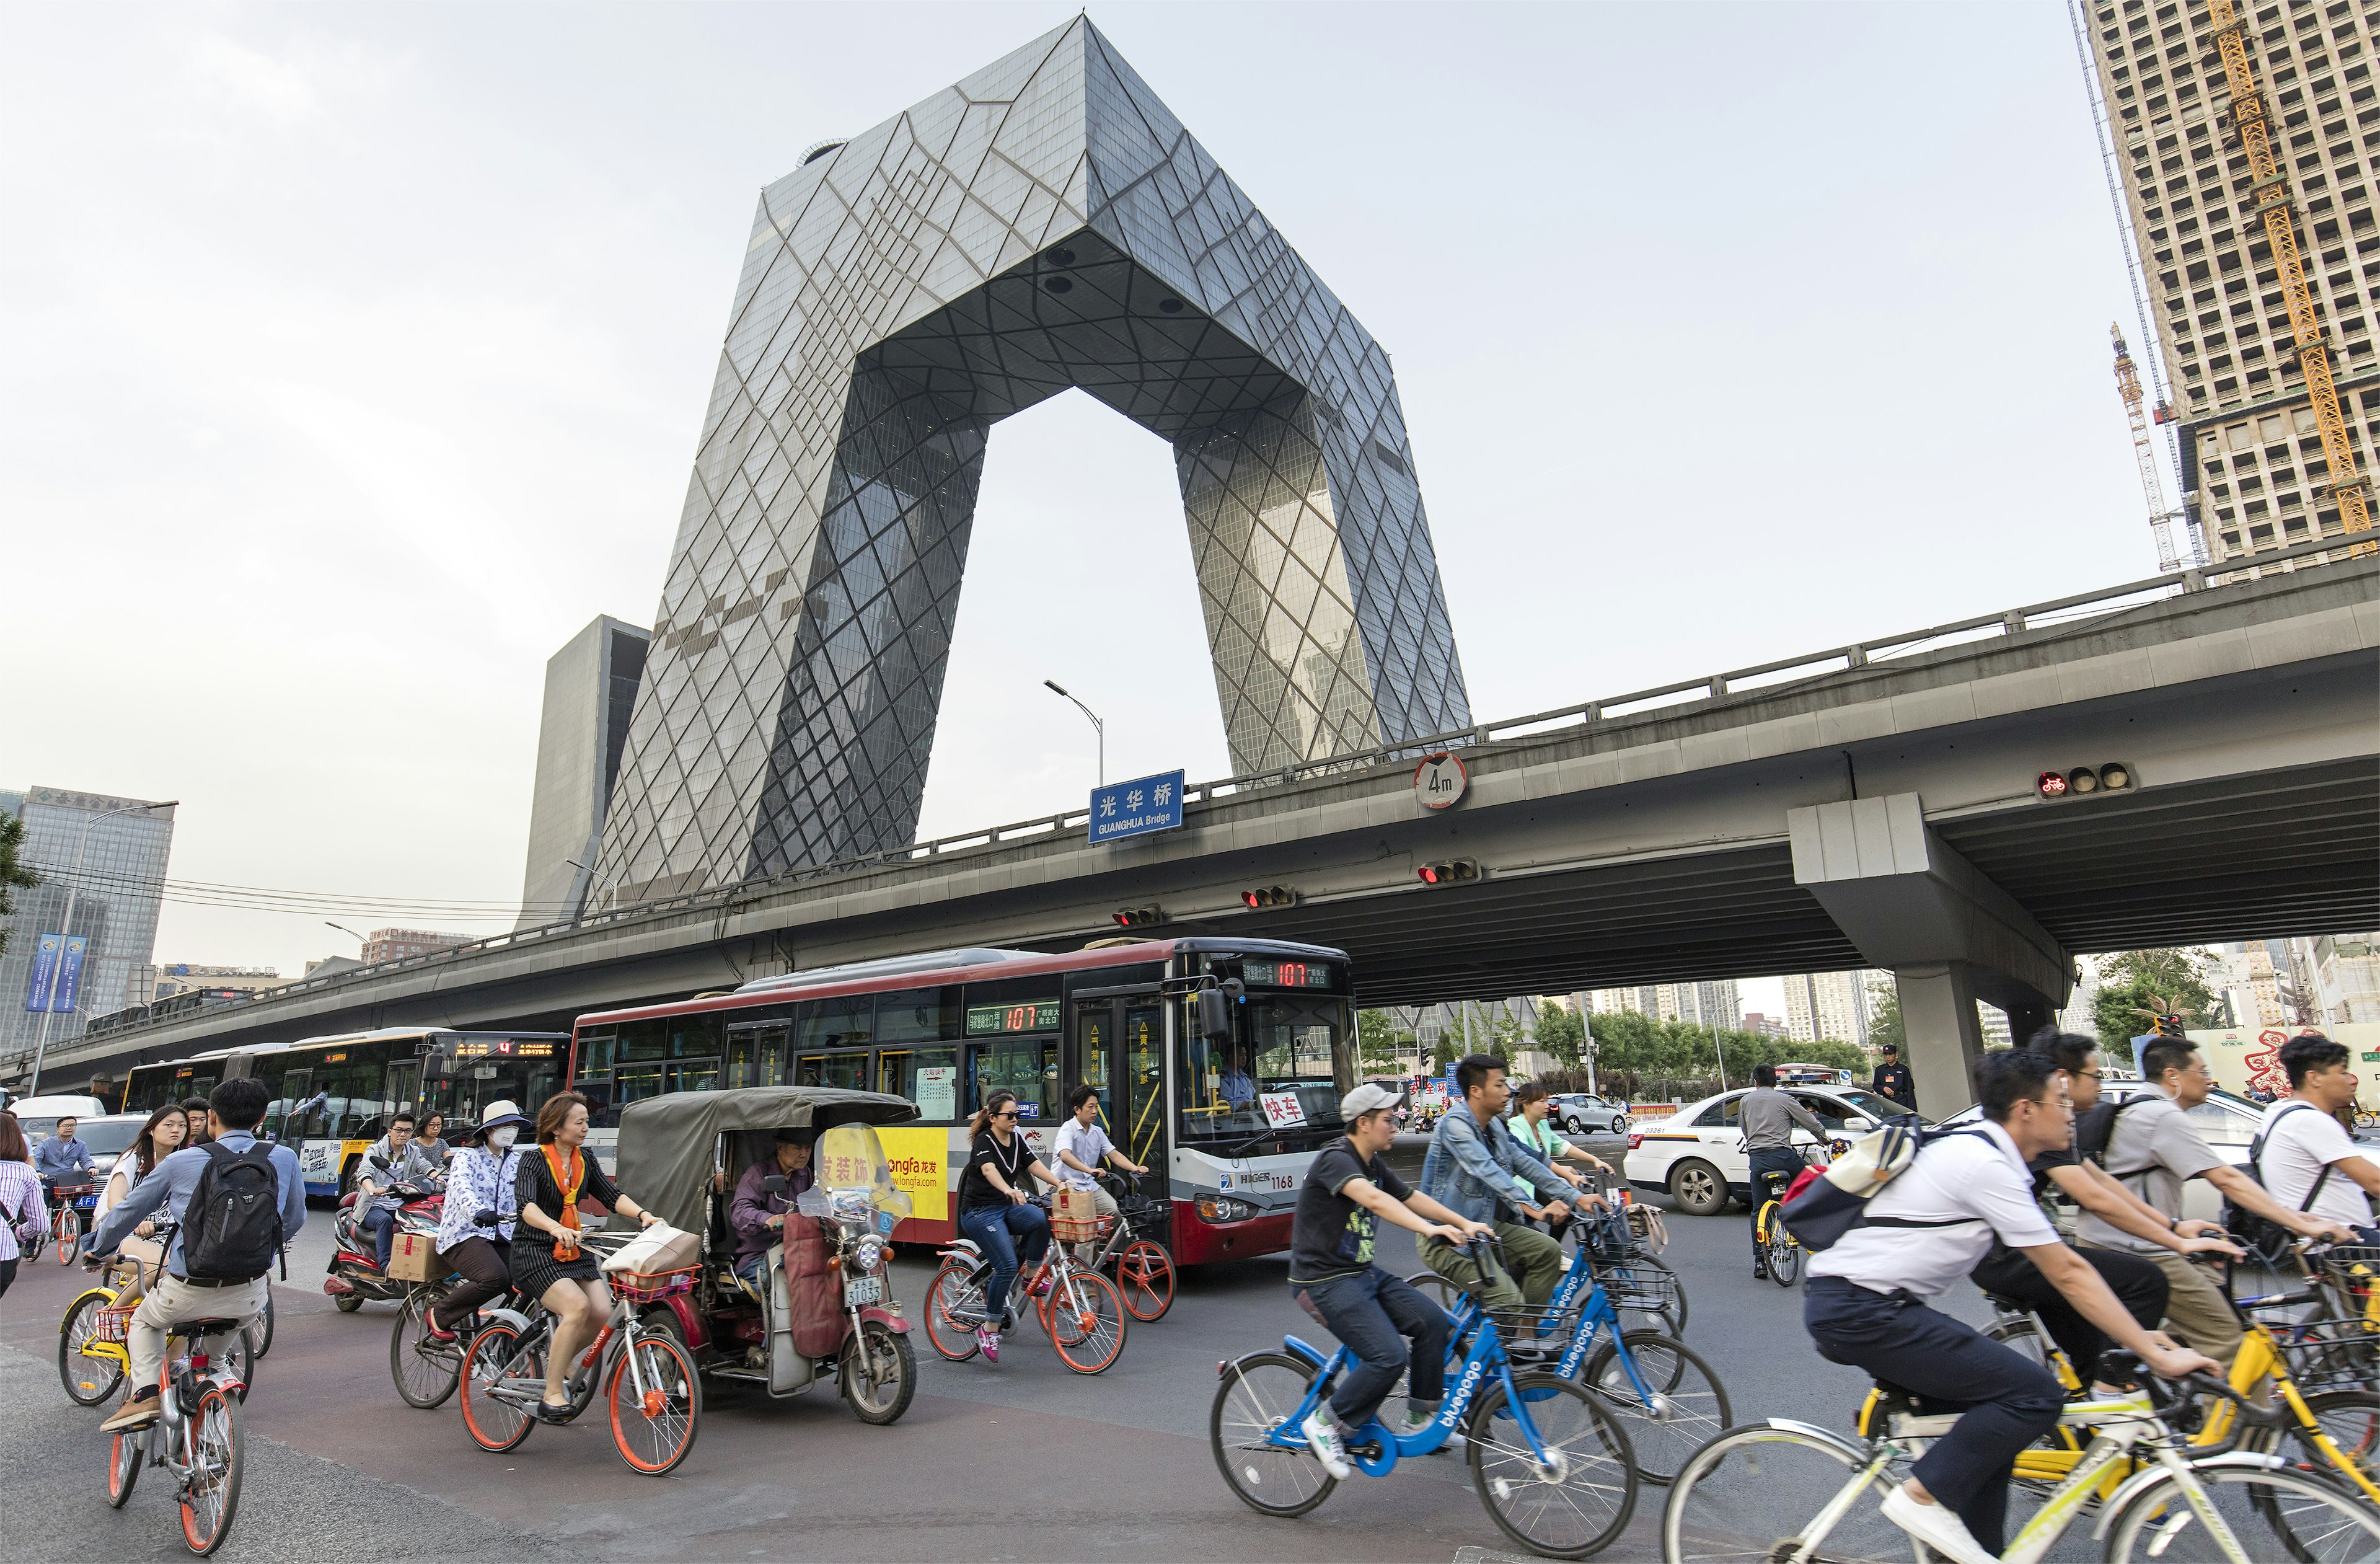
(1227, 1123)
(363, 1078)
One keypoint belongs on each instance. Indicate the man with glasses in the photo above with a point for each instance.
(390, 1162)
(2135, 1279)
(2153, 1150)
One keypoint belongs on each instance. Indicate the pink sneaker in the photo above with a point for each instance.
(988, 1340)
(1040, 1288)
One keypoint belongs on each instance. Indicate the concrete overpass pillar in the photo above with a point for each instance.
(2026, 1019)
(1949, 937)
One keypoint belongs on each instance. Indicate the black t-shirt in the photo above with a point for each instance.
(977, 1191)
(2063, 1157)
(1332, 1235)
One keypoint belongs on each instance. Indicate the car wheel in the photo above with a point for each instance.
(1697, 1188)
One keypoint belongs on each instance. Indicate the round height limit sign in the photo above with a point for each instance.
(1439, 780)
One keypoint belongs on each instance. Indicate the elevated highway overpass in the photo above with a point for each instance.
(1872, 805)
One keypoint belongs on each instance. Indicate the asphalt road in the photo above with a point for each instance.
(1022, 1461)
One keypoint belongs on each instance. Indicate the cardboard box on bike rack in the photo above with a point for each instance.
(1075, 1219)
(414, 1257)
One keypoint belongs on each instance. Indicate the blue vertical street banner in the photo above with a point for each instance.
(70, 983)
(45, 966)
(1137, 807)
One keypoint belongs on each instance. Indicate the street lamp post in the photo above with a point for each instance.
(1096, 726)
(65, 931)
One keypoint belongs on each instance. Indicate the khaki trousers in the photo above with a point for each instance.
(169, 1302)
(2196, 1312)
(1530, 1257)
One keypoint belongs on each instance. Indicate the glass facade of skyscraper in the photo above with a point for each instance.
(1046, 224)
(116, 899)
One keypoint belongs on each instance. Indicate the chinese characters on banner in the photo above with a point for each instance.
(1282, 1111)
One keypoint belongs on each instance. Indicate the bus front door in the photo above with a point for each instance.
(1120, 1052)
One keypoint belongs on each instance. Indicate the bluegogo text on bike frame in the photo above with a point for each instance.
(1137, 807)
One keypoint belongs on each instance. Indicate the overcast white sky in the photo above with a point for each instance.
(356, 355)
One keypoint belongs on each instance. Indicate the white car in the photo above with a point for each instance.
(1584, 1113)
(2227, 1123)
(1696, 1158)
(37, 1116)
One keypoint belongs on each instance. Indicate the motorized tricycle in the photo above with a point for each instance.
(823, 1304)
(354, 1275)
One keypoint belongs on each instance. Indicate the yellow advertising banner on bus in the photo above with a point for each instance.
(2245, 1058)
(921, 1168)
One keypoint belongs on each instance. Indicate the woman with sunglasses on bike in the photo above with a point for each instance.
(994, 1209)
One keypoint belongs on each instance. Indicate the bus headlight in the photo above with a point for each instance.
(1224, 1208)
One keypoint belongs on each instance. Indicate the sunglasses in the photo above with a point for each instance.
(1007, 1113)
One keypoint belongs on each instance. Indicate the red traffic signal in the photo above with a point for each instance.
(2083, 781)
(2053, 784)
(1269, 897)
(1136, 917)
(1448, 873)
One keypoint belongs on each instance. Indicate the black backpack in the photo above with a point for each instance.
(231, 1229)
(2258, 1232)
(2096, 1128)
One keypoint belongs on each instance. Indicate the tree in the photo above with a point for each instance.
(1561, 1034)
(2134, 983)
(1382, 1054)
(1885, 1023)
(12, 873)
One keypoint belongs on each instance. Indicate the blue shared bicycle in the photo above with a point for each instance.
(1550, 1463)
(1671, 1400)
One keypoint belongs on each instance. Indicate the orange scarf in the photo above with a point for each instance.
(568, 1177)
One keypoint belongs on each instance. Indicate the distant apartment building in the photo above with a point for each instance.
(116, 899)
(396, 944)
(2253, 461)
(1766, 1025)
(2249, 977)
(1829, 1004)
(591, 691)
(2345, 971)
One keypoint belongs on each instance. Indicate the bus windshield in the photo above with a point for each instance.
(1291, 1062)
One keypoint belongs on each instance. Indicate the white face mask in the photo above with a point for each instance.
(501, 1137)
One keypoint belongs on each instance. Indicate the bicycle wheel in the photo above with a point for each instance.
(880, 1373)
(425, 1370)
(1748, 1492)
(1689, 1406)
(1448, 1295)
(1258, 1395)
(1784, 1255)
(210, 1494)
(1583, 1497)
(2351, 1419)
(69, 1235)
(2331, 1523)
(495, 1422)
(235, 1362)
(953, 1309)
(125, 1456)
(90, 1378)
(260, 1331)
(1087, 1328)
(1145, 1276)
(655, 1429)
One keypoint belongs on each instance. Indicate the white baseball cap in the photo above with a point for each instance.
(1368, 1098)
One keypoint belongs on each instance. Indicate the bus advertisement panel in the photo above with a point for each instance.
(1228, 1123)
(331, 1097)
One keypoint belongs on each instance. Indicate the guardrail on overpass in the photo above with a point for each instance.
(1779, 676)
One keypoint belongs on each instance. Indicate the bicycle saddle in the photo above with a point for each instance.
(205, 1327)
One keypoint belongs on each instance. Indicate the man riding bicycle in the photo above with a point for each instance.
(1476, 1167)
(1868, 1305)
(62, 1162)
(1768, 1116)
(1332, 1267)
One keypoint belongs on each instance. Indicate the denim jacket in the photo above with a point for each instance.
(1471, 1173)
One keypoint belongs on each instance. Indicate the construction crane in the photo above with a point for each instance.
(2128, 386)
(2270, 186)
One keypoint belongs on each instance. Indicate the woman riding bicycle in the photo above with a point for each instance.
(547, 1262)
(22, 1212)
(995, 1208)
(1533, 1125)
(159, 1138)
(479, 1178)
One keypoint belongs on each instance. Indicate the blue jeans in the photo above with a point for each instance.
(749, 1267)
(1373, 1312)
(2009, 1401)
(381, 1225)
(1006, 1234)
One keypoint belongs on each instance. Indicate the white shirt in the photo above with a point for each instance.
(1976, 1183)
(1088, 1143)
(2298, 1146)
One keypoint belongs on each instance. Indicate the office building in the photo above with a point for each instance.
(2251, 454)
(1766, 1025)
(1046, 224)
(2344, 979)
(590, 689)
(116, 900)
(396, 944)
(2249, 976)
(1830, 1004)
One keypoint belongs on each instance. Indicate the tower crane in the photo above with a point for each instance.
(2128, 386)
(2276, 206)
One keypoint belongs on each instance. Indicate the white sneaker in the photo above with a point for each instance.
(1936, 1527)
(1322, 1437)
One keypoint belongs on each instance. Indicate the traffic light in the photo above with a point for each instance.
(1269, 897)
(1453, 872)
(2113, 777)
(1138, 918)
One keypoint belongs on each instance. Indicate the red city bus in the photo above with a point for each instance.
(1227, 1123)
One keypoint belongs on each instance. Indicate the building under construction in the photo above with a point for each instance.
(2244, 139)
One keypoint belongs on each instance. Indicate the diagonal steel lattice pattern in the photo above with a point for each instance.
(1046, 224)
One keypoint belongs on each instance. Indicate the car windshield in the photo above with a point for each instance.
(1875, 1106)
(1287, 1068)
(108, 1137)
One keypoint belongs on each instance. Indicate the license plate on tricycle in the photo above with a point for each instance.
(863, 1289)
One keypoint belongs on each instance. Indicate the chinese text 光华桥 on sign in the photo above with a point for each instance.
(1137, 807)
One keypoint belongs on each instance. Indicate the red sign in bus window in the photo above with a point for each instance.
(990, 1020)
(1285, 974)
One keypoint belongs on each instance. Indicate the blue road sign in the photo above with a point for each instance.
(70, 983)
(45, 966)
(1137, 807)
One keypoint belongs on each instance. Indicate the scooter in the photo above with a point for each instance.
(354, 1275)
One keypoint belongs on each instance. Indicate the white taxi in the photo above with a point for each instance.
(1696, 1158)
